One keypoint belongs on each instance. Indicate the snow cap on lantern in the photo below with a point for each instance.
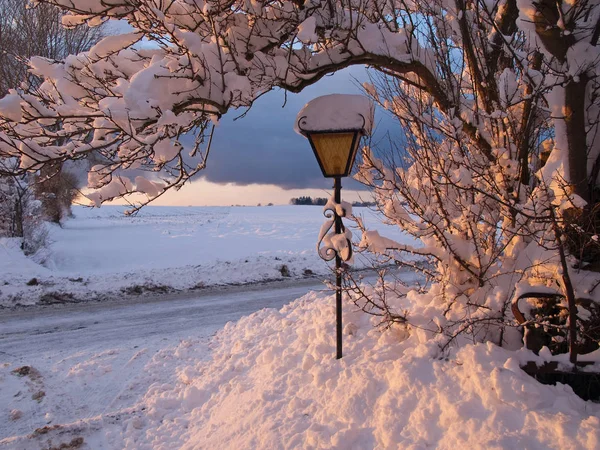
(334, 125)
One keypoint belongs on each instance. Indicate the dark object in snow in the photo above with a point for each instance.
(285, 271)
(546, 323)
(74, 444)
(585, 384)
(33, 282)
(308, 273)
(139, 289)
(133, 290)
(546, 326)
(45, 430)
(56, 431)
(57, 298)
(27, 371)
(22, 371)
(39, 395)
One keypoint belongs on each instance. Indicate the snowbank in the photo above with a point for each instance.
(273, 383)
(13, 260)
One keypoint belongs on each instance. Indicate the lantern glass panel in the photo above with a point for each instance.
(334, 151)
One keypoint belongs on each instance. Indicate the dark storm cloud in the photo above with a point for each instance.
(263, 148)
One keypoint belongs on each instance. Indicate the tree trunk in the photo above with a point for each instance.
(576, 136)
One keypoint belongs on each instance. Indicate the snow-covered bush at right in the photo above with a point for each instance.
(497, 173)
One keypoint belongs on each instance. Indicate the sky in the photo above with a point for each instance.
(259, 158)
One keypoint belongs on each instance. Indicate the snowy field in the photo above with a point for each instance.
(103, 254)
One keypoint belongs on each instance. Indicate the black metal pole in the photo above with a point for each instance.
(337, 186)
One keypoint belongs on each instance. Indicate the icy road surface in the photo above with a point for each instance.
(89, 359)
(31, 333)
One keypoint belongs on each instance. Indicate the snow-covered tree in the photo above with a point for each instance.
(27, 32)
(499, 101)
(20, 212)
(57, 189)
(503, 159)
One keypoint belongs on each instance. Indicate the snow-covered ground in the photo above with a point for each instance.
(89, 359)
(270, 381)
(102, 253)
(154, 273)
(147, 371)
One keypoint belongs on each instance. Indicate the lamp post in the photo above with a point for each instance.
(334, 125)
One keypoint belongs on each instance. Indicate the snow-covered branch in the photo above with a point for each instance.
(132, 105)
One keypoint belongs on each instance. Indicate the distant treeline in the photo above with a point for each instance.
(319, 201)
(308, 201)
(363, 204)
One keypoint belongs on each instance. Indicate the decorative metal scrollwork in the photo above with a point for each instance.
(331, 244)
(302, 121)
